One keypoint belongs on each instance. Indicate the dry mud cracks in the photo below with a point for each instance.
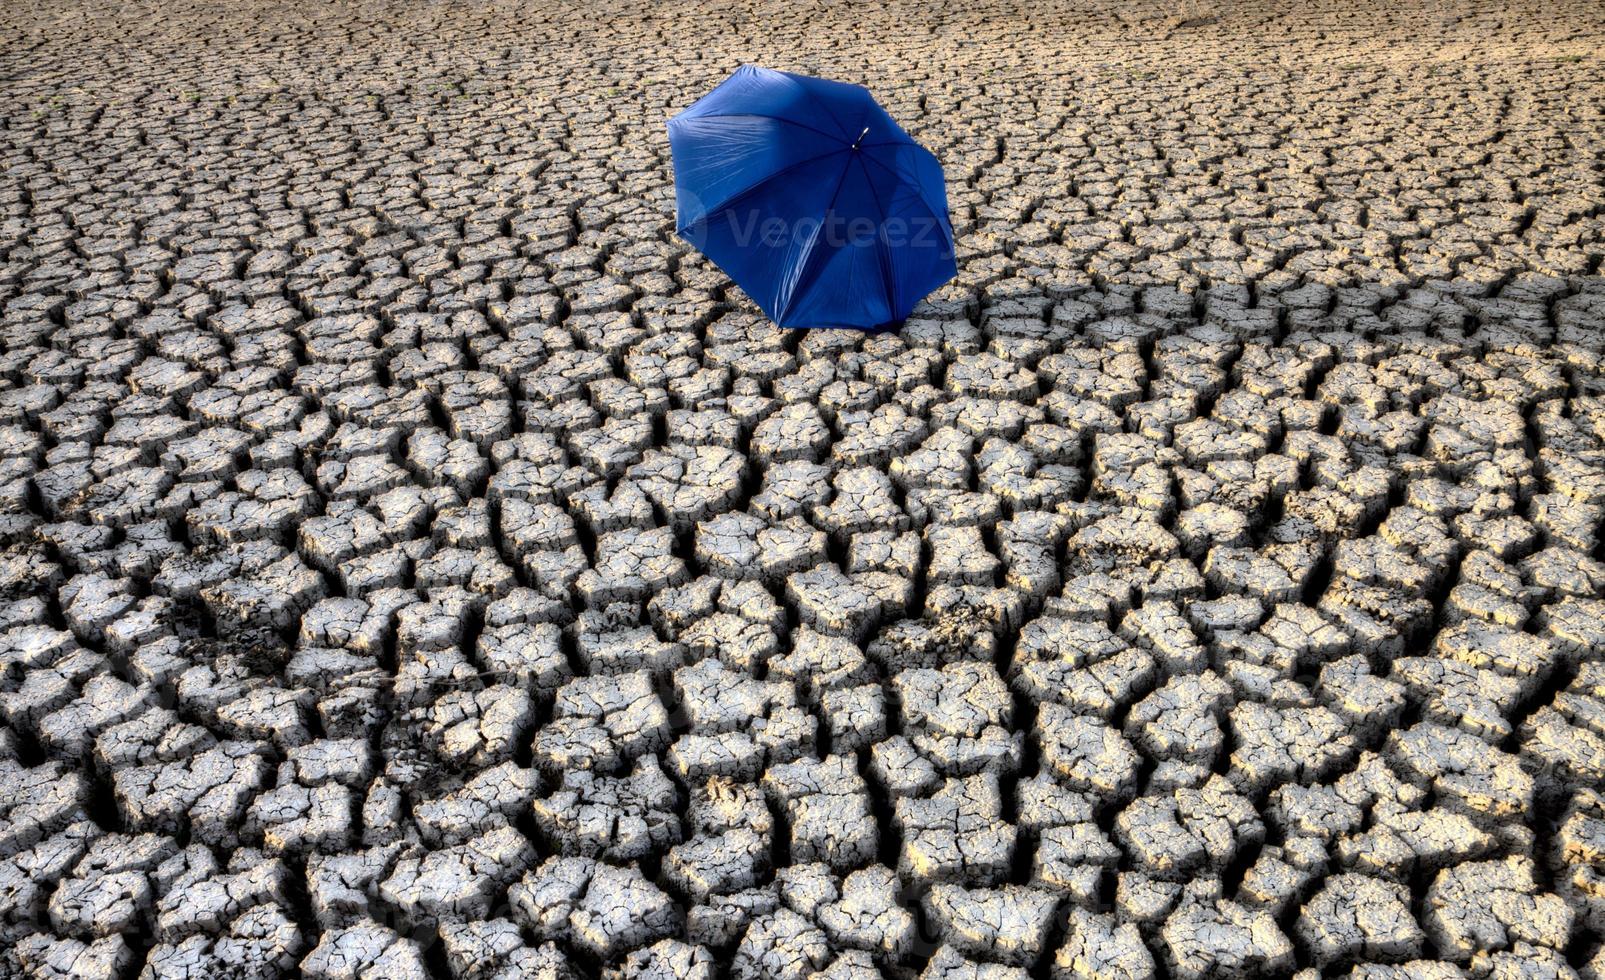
(416, 562)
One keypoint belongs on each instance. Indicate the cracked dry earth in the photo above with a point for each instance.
(416, 562)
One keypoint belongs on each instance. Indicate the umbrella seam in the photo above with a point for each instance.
(750, 188)
(763, 115)
(880, 243)
(919, 194)
(817, 101)
(808, 262)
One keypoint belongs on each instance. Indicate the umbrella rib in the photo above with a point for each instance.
(808, 263)
(765, 115)
(880, 246)
(815, 100)
(750, 188)
(919, 194)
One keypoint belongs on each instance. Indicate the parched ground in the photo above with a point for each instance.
(416, 562)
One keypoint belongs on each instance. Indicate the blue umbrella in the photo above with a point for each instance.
(808, 195)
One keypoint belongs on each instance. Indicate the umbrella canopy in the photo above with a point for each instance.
(808, 195)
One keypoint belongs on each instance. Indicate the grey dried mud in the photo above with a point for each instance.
(415, 560)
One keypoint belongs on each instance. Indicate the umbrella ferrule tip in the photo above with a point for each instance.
(861, 137)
